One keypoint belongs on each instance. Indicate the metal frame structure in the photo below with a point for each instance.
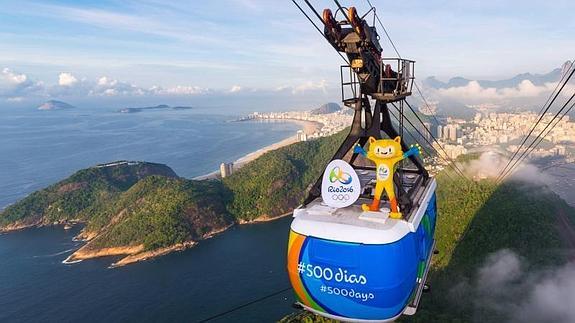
(391, 88)
(368, 76)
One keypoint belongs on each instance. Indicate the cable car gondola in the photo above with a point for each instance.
(354, 255)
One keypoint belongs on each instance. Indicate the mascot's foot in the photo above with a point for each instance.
(369, 208)
(395, 215)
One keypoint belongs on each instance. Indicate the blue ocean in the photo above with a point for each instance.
(38, 148)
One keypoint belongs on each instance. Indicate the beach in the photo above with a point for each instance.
(308, 127)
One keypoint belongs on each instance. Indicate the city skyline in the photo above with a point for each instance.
(452, 137)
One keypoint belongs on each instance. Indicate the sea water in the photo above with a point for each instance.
(231, 269)
(38, 148)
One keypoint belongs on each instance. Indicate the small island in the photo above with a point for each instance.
(55, 105)
(157, 107)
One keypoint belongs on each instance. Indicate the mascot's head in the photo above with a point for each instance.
(384, 148)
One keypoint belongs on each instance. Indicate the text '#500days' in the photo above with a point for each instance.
(364, 297)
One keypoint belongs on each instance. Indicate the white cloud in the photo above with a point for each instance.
(527, 89)
(503, 287)
(490, 164)
(14, 85)
(13, 77)
(111, 87)
(473, 92)
(179, 90)
(19, 86)
(235, 88)
(103, 81)
(502, 267)
(310, 86)
(67, 79)
(551, 298)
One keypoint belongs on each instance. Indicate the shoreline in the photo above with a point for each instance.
(136, 257)
(264, 218)
(308, 127)
(135, 254)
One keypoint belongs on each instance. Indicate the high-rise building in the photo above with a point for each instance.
(446, 132)
(450, 132)
(226, 169)
(301, 136)
(453, 133)
(439, 132)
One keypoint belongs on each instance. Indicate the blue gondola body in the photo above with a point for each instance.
(374, 278)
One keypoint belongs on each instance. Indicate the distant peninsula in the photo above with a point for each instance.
(55, 105)
(141, 210)
(157, 107)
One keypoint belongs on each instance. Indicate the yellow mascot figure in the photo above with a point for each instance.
(385, 153)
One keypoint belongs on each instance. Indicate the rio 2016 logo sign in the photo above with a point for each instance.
(337, 174)
(340, 184)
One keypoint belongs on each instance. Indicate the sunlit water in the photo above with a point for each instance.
(39, 148)
(242, 264)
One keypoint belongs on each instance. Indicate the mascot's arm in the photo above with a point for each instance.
(359, 150)
(413, 150)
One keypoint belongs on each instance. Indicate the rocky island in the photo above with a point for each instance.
(55, 105)
(141, 210)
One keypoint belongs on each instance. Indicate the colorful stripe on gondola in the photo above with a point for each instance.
(295, 245)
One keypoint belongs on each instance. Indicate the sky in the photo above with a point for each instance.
(62, 49)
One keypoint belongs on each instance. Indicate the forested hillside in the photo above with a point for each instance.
(144, 208)
(276, 182)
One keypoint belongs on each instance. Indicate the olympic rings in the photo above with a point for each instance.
(340, 197)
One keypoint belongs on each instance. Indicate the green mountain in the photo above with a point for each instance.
(144, 209)
(276, 182)
(80, 195)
